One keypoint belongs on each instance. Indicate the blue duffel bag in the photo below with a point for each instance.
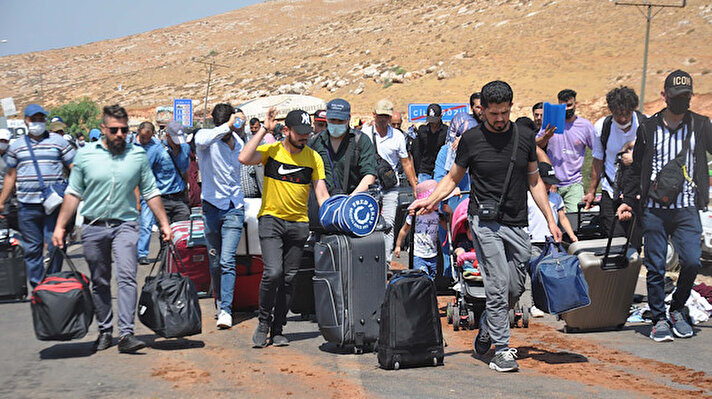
(558, 283)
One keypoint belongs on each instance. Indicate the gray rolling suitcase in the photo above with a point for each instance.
(349, 285)
(611, 270)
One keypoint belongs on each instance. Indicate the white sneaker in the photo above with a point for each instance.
(224, 320)
(535, 312)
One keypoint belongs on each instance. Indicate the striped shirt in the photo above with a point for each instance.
(52, 152)
(667, 146)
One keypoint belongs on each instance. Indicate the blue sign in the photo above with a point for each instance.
(417, 112)
(183, 111)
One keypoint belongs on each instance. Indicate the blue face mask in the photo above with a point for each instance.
(239, 123)
(336, 131)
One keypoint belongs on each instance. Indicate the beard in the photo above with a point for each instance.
(116, 147)
(295, 143)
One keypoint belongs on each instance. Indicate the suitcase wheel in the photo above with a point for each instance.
(358, 350)
(456, 318)
(471, 323)
(435, 361)
(396, 366)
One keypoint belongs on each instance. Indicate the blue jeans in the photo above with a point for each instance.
(223, 228)
(37, 229)
(146, 222)
(684, 227)
(424, 176)
(428, 265)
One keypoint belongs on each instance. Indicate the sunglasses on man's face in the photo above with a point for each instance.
(124, 129)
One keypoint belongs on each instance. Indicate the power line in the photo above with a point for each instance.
(649, 16)
(210, 64)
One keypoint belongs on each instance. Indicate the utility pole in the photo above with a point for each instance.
(648, 17)
(210, 65)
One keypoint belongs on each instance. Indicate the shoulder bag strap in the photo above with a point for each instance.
(175, 164)
(515, 147)
(34, 161)
(605, 136)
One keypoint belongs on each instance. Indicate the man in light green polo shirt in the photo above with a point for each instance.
(104, 176)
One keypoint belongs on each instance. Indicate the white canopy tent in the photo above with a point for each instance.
(258, 107)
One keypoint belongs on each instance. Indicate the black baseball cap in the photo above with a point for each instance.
(678, 82)
(434, 113)
(299, 121)
(546, 171)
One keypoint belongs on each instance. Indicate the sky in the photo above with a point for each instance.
(35, 25)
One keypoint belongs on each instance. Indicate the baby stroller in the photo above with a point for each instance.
(469, 302)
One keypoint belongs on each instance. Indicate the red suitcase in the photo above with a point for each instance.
(248, 270)
(189, 239)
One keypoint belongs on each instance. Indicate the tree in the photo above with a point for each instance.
(80, 116)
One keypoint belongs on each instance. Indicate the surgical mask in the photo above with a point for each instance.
(570, 113)
(623, 127)
(80, 143)
(239, 123)
(336, 131)
(679, 105)
(37, 128)
(3, 146)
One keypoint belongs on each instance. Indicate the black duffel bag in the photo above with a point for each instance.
(62, 306)
(168, 304)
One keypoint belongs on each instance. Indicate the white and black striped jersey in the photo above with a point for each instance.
(667, 145)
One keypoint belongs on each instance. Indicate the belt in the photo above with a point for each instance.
(108, 223)
(175, 196)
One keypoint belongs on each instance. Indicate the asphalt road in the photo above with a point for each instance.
(222, 364)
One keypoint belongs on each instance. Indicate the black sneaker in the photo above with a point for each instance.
(130, 344)
(504, 361)
(259, 338)
(143, 260)
(483, 341)
(103, 341)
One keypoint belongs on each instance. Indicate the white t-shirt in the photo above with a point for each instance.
(391, 147)
(538, 228)
(616, 141)
(426, 235)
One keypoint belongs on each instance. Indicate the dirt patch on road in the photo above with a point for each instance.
(550, 352)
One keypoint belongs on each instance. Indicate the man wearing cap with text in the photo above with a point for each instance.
(39, 155)
(291, 169)
(390, 146)
(670, 148)
(427, 143)
(342, 148)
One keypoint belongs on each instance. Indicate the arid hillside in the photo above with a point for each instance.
(408, 51)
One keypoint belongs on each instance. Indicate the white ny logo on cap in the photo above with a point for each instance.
(305, 119)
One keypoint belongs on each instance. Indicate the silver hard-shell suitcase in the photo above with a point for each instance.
(611, 278)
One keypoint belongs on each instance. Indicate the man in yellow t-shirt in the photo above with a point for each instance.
(290, 168)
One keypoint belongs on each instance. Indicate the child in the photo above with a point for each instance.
(465, 253)
(425, 252)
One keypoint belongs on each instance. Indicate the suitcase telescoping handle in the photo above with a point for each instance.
(579, 207)
(617, 261)
(411, 259)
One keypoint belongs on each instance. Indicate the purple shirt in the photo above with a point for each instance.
(567, 150)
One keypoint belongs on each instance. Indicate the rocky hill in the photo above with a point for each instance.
(408, 51)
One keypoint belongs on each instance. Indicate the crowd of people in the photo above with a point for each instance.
(522, 178)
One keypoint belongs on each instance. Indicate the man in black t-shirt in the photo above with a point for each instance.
(427, 143)
(502, 243)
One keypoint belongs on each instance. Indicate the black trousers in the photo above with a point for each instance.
(609, 206)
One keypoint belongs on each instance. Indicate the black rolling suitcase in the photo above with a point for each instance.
(410, 331)
(349, 283)
(303, 298)
(13, 272)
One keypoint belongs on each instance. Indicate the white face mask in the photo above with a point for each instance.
(3, 146)
(623, 127)
(37, 128)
